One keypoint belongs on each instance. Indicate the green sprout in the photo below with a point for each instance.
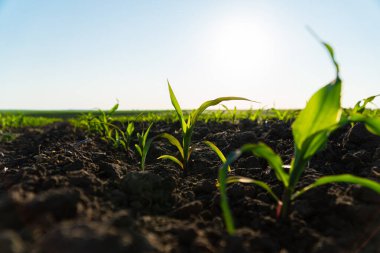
(105, 126)
(257, 115)
(143, 145)
(283, 115)
(102, 124)
(360, 106)
(311, 129)
(217, 115)
(187, 127)
(126, 136)
(233, 114)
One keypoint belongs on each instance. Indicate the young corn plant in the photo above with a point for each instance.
(311, 129)
(282, 115)
(101, 124)
(257, 115)
(233, 114)
(143, 145)
(217, 115)
(361, 106)
(104, 125)
(187, 128)
(127, 135)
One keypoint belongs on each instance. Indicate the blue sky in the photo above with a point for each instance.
(86, 54)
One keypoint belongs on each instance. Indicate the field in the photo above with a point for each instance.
(68, 189)
(193, 181)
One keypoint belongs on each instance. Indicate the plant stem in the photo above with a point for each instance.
(286, 204)
(185, 167)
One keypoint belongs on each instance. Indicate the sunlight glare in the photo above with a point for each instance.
(241, 46)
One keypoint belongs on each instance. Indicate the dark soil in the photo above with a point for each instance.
(64, 191)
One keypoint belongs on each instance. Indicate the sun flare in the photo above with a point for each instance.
(242, 45)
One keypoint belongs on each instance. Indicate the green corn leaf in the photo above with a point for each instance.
(344, 178)
(328, 47)
(123, 144)
(260, 150)
(103, 116)
(321, 115)
(246, 180)
(317, 141)
(147, 147)
(145, 152)
(371, 123)
(117, 136)
(274, 160)
(172, 158)
(359, 107)
(222, 180)
(189, 122)
(145, 135)
(113, 109)
(174, 141)
(213, 102)
(332, 56)
(369, 99)
(225, 108)
(138, 150)
(218, 152)
(177, 108)
(130, 128)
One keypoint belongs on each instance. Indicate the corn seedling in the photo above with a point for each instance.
(257, 115)
(249, 113)
(7, 122)
(127, 135)
(11, 121)
(120, 138)
(217, 115)
(232, 113)
(360, 106)
(283, 115)
(102, 124)
(187, 127)
(143, 145)
(311, 129)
